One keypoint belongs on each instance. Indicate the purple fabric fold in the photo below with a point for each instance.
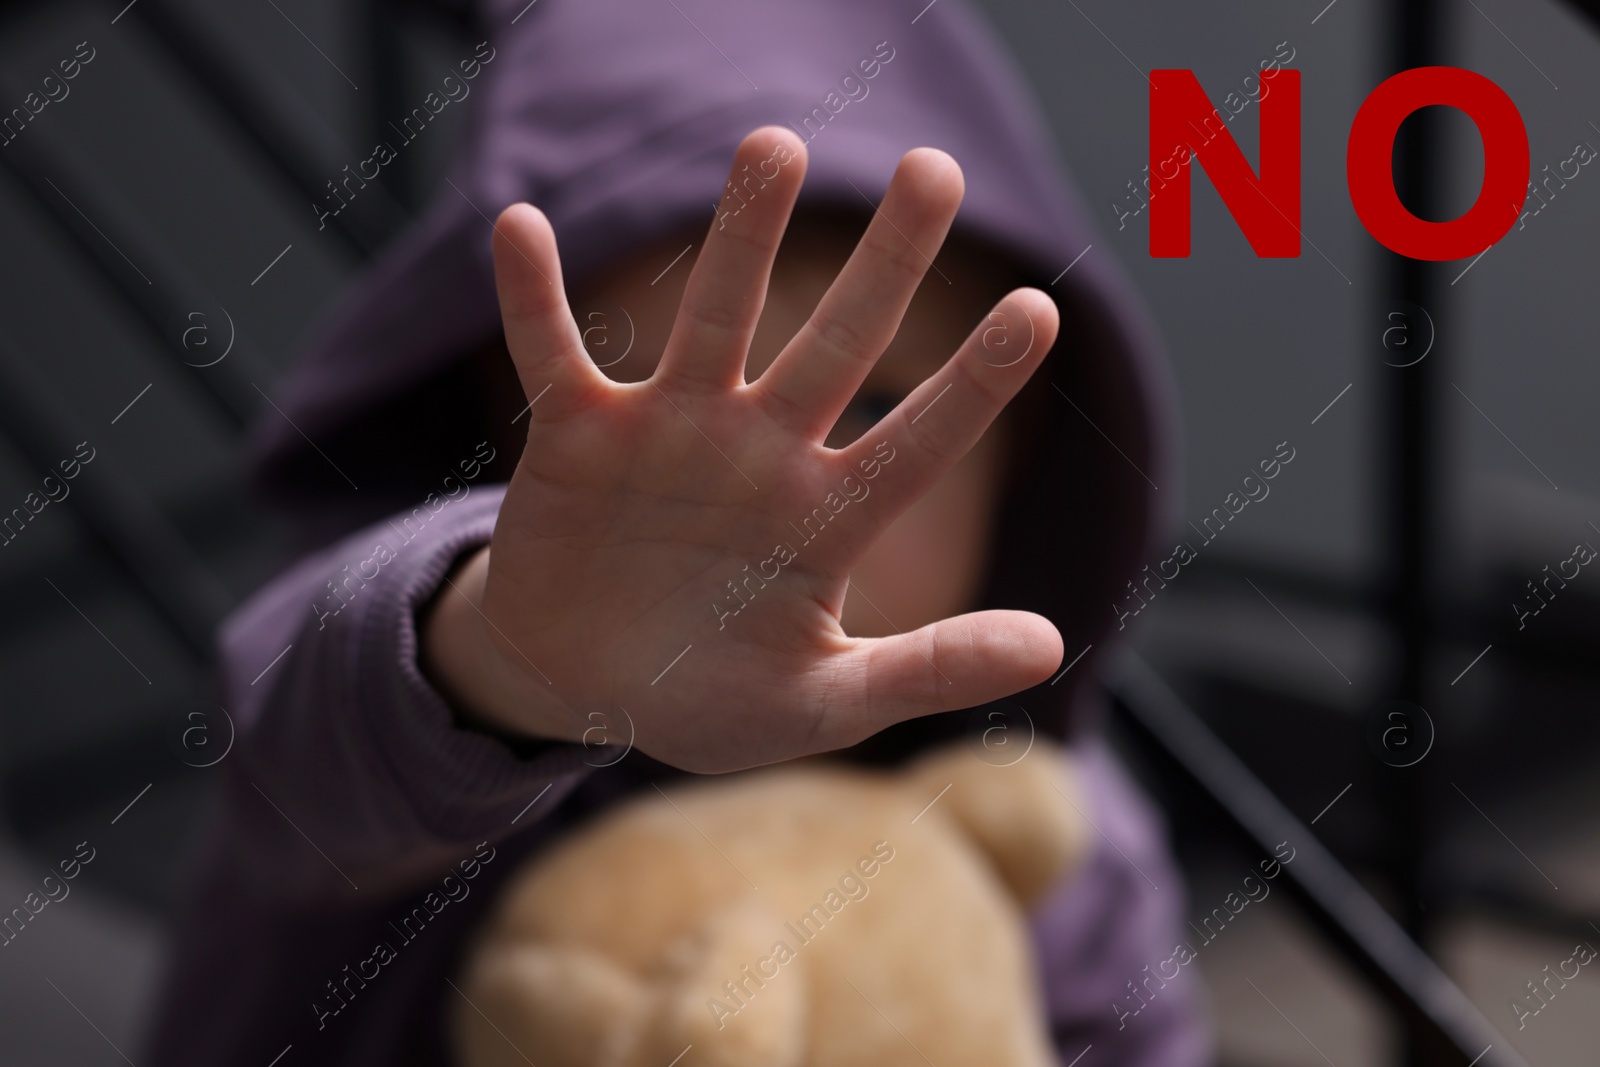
(1100, 930)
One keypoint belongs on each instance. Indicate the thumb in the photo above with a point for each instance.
(961, 662)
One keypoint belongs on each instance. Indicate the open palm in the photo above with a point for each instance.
(680, 548)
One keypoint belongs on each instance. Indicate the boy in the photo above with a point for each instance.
(742, 541)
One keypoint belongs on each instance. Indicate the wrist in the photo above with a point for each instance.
(460, 655)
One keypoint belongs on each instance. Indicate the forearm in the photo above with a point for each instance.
(351, 766)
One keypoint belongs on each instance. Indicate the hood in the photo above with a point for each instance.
(619, 118)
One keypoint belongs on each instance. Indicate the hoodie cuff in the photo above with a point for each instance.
(455, 777)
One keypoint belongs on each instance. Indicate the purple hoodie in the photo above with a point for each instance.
(358, 812)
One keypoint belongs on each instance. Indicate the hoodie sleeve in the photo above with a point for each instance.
(1103, 935)
(351, 771)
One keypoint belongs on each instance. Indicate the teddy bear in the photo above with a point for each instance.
(800, 915)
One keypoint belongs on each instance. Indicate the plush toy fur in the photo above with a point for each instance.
(797, 916)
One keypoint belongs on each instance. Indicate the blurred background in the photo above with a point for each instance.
(157, 217)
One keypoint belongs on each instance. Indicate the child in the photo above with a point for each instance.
(746, 539)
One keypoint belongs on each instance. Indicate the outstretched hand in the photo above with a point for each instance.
(680, 548)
